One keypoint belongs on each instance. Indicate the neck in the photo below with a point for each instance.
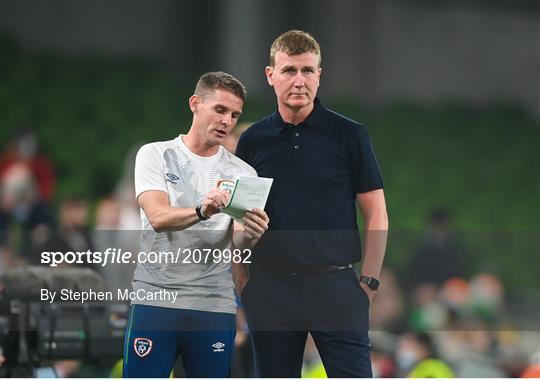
(194, 143)
(295, 116)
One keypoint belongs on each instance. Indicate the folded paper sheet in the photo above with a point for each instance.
(248, 193)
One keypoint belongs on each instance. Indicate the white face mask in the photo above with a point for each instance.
(405, 359)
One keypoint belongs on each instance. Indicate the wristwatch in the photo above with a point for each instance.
(199, 212)
(372, 282)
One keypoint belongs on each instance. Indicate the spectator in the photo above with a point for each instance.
(417, 357)
(23, 148)
(19, 203)
(383, 345)
(428, 311)
(107, 235)
(486, 296)
(439, 255)
(23, 217)
(476, 355)
(73, 233)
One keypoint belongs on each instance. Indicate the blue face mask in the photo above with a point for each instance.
(406, 359)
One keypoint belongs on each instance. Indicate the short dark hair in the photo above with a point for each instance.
(295, 42)
(219, 80)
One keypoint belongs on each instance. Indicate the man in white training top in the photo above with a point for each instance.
(188, 307)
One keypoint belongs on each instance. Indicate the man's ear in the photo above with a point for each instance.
(269, 71)
(194, 101)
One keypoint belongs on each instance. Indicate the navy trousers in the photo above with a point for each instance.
(283, 308)
(155, 336)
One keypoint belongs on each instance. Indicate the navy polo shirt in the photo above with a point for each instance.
(318, 167)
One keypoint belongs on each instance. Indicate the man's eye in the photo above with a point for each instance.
(290, 70)
(220, 110)
(235, 115)
(308, 70)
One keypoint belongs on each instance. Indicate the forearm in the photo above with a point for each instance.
(238, 238)
(240, 276)
(168, 218)
(374, 247)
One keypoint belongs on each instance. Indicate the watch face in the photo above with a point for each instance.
(373, 283)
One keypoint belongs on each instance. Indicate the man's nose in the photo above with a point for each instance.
(299, 80)
(227, 119)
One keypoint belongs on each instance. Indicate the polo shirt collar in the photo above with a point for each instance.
(314, 119)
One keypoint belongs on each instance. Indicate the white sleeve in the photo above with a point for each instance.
(149, 170)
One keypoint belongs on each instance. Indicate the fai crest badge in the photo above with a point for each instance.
(142, 346)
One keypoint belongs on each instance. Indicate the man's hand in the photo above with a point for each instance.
(370, 292)
(214, 202)
(255, 224)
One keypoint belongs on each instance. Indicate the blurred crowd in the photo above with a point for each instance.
(431, 319)
(32, 220)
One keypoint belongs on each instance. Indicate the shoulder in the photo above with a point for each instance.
(347, 124)
(158, 146)
(156, 152)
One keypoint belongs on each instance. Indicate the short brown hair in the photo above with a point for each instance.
(295, 42)
(219, 80)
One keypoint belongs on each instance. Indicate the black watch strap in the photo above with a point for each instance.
(199, 212)
(372, 282)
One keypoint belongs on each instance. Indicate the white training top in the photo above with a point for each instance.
(171, 167)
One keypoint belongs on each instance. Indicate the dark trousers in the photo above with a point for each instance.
(282, 309)
(155, 336)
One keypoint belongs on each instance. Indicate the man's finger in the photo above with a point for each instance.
(219, 199)
(260, 213)
(252, 217)
(252, 234)
(259, 228)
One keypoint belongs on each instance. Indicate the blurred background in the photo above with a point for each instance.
(448, 90)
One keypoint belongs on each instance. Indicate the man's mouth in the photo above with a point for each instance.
(221, 133)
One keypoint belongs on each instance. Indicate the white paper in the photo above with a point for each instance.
(248, 193)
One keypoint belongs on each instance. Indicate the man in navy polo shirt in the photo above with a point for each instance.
(302, 278)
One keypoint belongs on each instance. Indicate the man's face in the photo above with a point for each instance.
(216, 115)
(295, 78)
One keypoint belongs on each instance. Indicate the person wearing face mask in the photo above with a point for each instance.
(417, 357)
(22, 214)
(23, 148)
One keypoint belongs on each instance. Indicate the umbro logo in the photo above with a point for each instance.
(218, 347)
(171, 178)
